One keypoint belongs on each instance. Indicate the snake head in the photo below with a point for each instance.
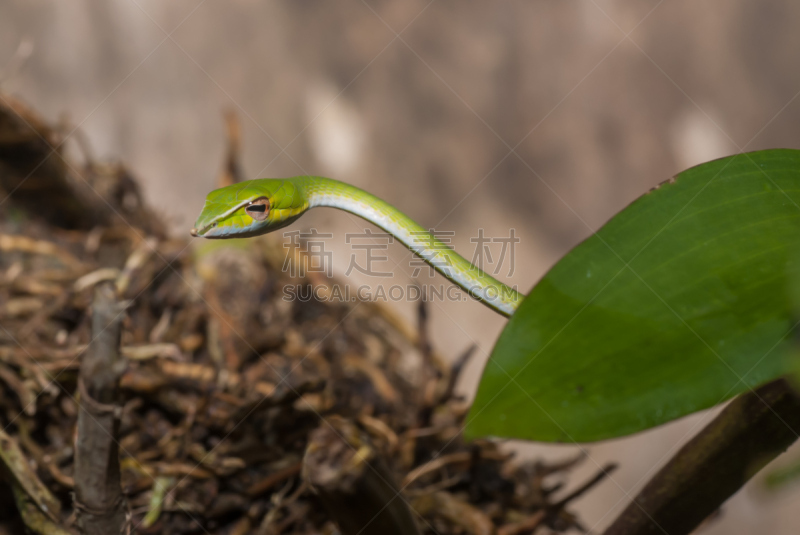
(250, 208)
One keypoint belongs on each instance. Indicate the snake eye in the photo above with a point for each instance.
(258, 209)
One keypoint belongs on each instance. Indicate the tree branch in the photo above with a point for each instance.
(100, 505)
(754, 429)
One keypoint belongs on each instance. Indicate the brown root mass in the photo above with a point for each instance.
(238, 411)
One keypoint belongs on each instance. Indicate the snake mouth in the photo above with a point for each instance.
(204, 231)
(199, 232)
(206, 227)
(258, 210)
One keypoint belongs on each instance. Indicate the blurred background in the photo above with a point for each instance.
(546, 117)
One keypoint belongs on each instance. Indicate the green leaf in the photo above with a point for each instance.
(681, 301)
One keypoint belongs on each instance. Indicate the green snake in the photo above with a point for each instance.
(264, 205)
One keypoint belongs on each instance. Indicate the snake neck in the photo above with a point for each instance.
(483, 287)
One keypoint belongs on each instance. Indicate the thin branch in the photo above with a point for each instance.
(100, 505)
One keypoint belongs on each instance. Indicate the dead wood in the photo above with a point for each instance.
(101, 508)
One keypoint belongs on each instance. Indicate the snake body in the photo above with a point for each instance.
(260, 206)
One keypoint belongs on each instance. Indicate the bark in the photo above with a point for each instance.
(101, 508)
(751, 431)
